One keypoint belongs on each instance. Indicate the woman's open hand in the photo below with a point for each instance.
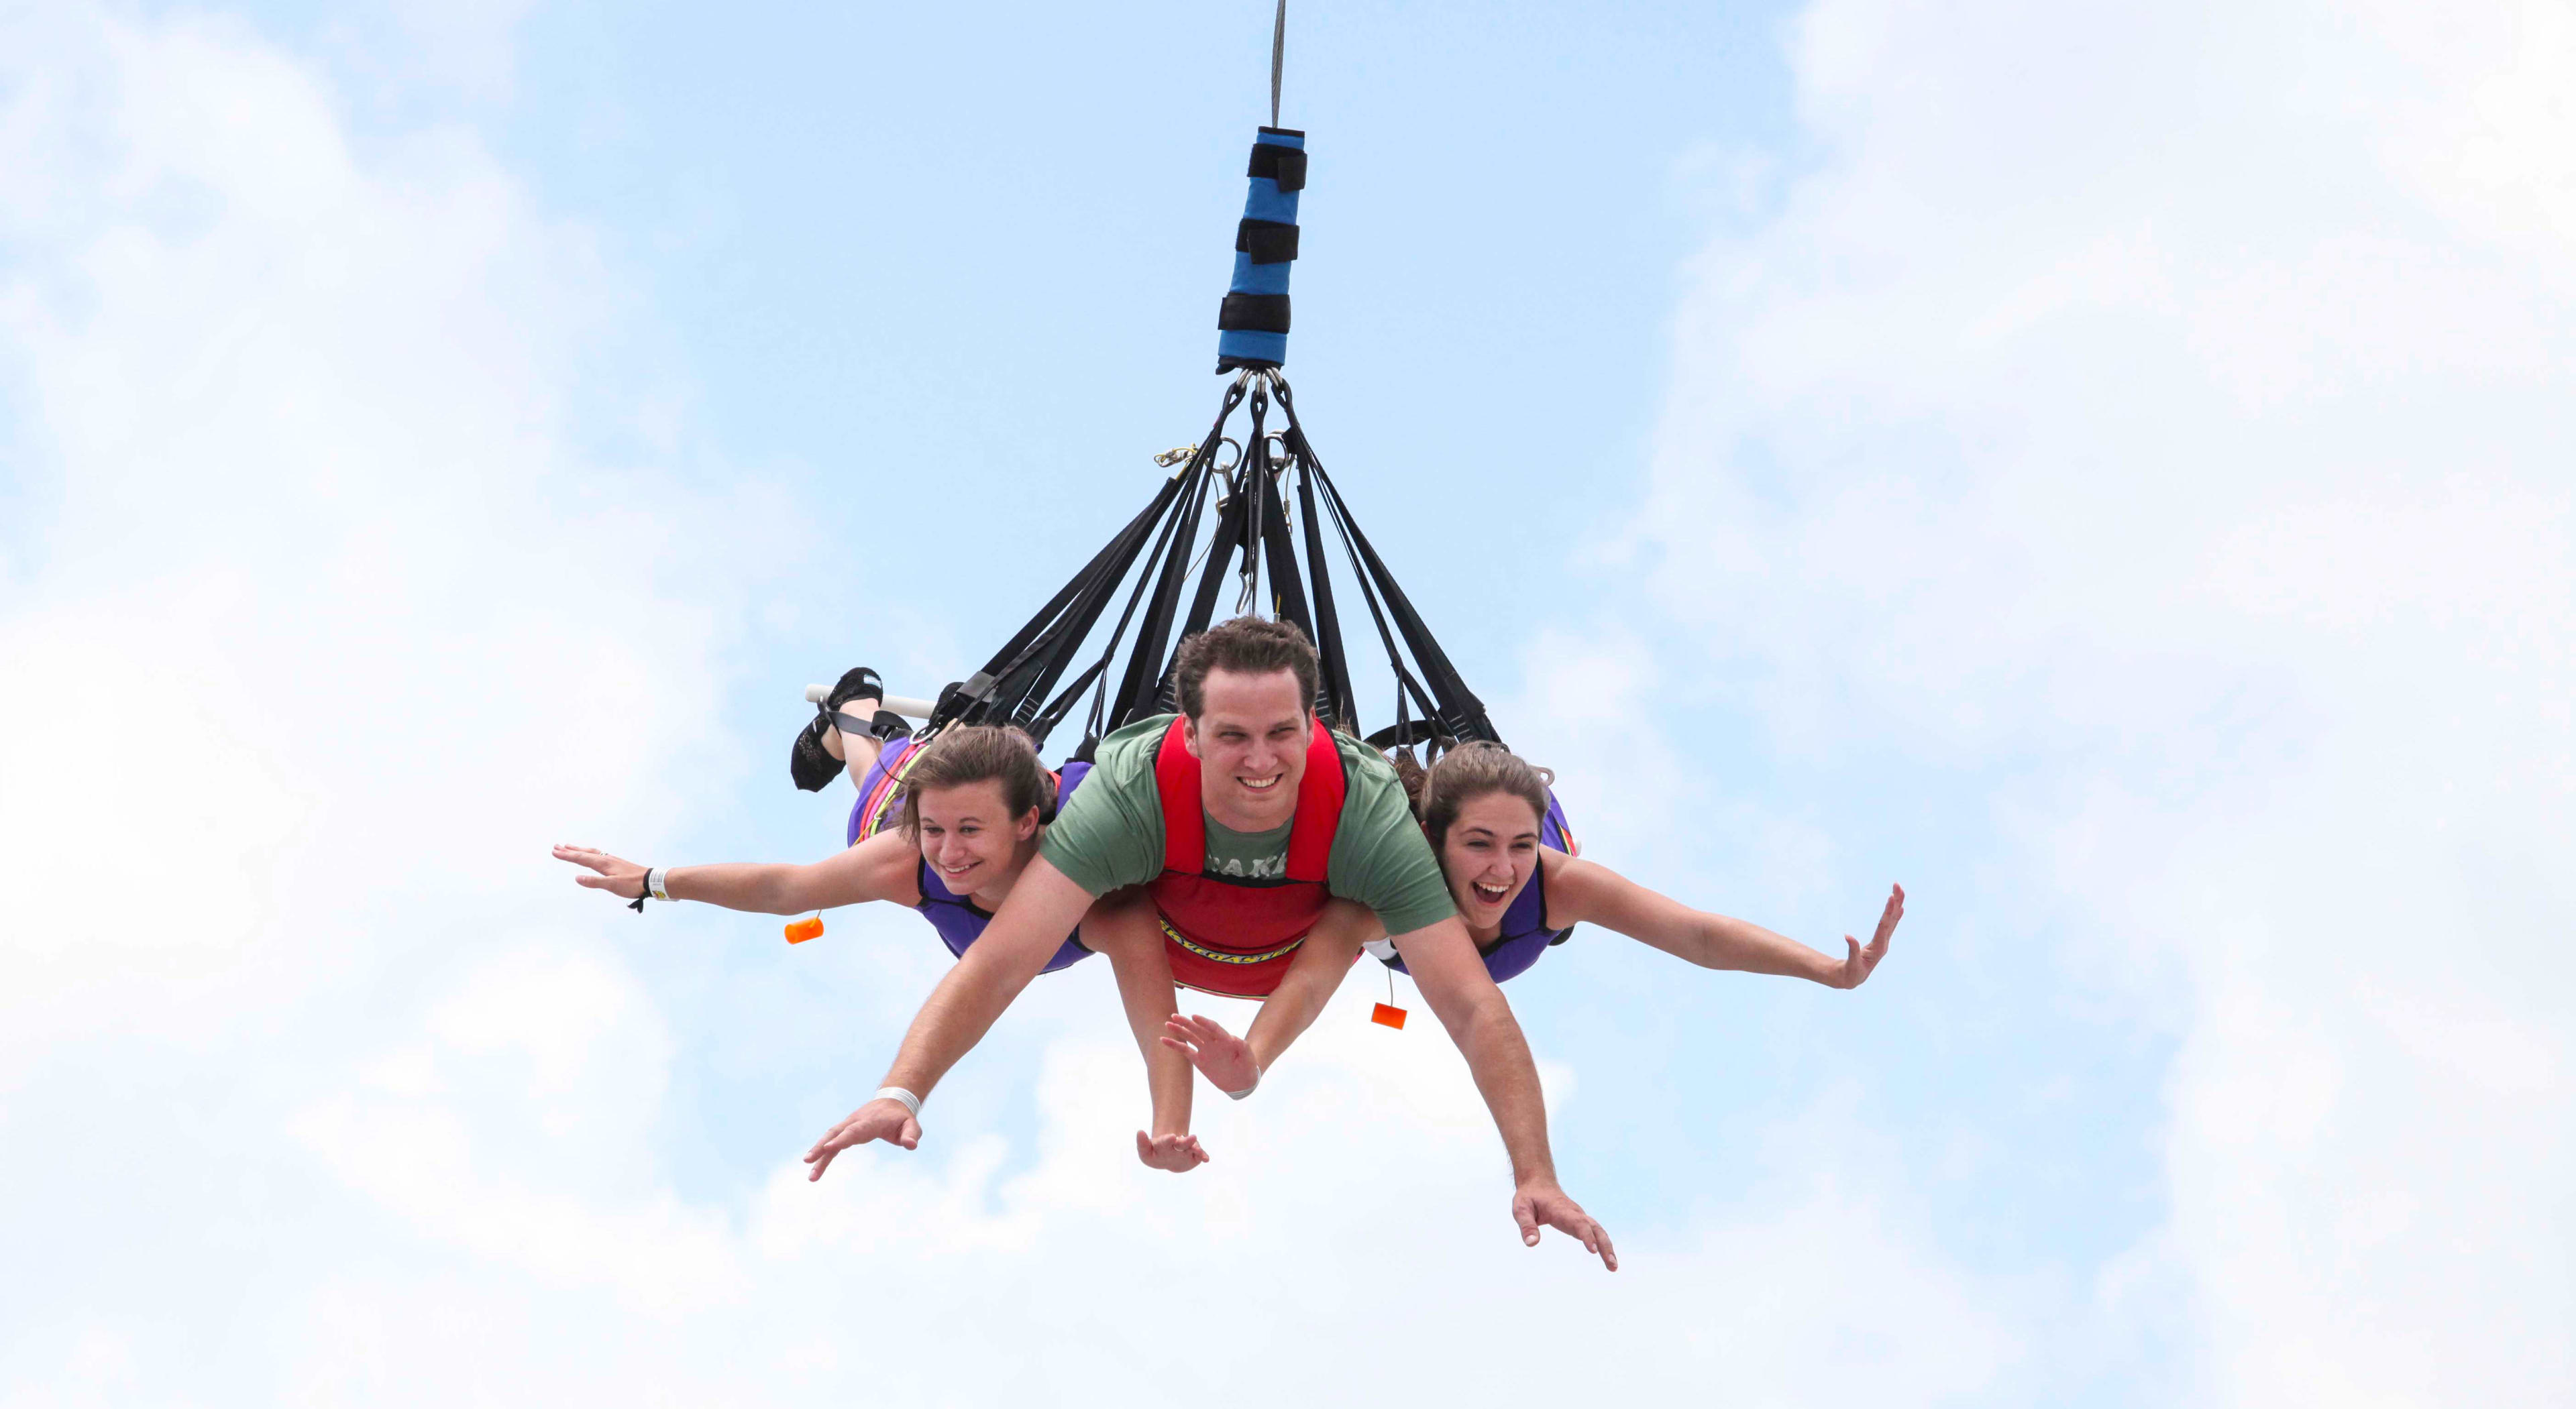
(1856, 969)
(1220, 1056)
(616, 875)
(1178, 1154)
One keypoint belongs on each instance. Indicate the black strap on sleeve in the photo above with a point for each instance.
(1253, 313)
(1285, 165)
(1267, 241)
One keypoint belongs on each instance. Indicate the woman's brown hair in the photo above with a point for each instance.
(977, 753)
(1464, 774)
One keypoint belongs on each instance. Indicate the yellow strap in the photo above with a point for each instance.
(1222, 956)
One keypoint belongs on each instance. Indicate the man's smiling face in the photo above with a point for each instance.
(1250, 740)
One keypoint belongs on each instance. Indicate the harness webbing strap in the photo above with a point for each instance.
(1287, 591)
(1341, 703)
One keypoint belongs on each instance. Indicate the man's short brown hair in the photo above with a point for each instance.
(1247, 645)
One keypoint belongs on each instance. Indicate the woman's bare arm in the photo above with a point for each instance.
(1580, 891)
(884, 867)
(1238, 1063)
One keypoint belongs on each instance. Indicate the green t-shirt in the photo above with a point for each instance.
(1110, 834)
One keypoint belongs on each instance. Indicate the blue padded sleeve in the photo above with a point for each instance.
(1264, 201)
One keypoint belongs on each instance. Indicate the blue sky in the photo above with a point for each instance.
(1851, 443)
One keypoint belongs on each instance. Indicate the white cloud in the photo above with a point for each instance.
(332, 621)
(2166, 409)
(1351, 1238)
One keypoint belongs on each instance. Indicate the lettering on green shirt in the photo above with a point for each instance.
(1110, 834)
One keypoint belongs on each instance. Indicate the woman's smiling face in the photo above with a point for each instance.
(1488, 856)
(969, 836)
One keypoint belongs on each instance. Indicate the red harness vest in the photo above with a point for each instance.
(1230, 934)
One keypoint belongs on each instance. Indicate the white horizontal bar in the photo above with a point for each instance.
(904, 705)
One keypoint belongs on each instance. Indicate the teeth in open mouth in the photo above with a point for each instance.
(1264, 785)
(1492, 893)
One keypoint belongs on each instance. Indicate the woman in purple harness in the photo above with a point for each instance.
(1521, 883)
(1521, 933)
(1522, 886)
(944, 828)
(886, 801)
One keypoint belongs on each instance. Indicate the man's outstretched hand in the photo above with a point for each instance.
(1178, 1153)
(1540, 1202)
(1856, 969)
(881, 1119)
(1220, 1056)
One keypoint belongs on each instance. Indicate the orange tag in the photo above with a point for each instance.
(1388, 1014)
(804, 930)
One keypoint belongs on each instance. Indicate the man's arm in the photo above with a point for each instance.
(880, 868)
(1043, 907)
(1453, 980)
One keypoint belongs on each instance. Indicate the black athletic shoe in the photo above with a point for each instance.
(809, 763)
(857, 682)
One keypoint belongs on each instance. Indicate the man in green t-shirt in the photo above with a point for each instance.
(1263, 808)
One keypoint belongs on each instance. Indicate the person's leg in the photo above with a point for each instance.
(1123, 928)
(859, 751)
(853, 709)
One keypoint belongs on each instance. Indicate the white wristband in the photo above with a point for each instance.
(657, 883)
(1255, 1086)
(909, 1101)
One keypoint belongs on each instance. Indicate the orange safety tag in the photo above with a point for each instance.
(804, 930)
(1388, 1014)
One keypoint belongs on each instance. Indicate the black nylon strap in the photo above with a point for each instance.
(1141, 687)
(1267, 241)
(1101, 721)
(1024, 670)
(1253, 313)
(1285, 165)
(1049, 634)
(1456, 706)
(1328, 623)
(1447, 696)
(1221, 551)
(1287, 589)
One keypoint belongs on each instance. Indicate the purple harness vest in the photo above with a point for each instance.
(959, 920)
(1525, 934)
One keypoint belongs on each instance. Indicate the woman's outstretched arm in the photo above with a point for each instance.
(1237, 1064)
(1121, 928)
(884, 867)
(1580, 891)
